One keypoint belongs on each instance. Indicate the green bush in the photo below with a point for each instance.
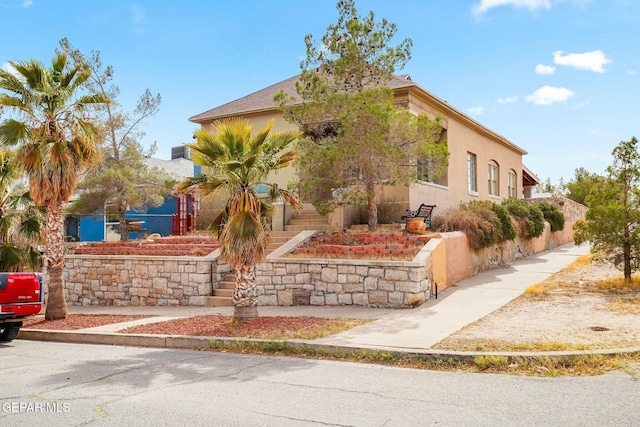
(484, 223)
(527, 217)
(490, 228)
(552, 214)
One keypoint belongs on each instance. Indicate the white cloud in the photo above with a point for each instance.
(27, 3)
(548, 95)
(631, 72)
(475, 111)
(485, 5)
(508, 100)
(545, 70)
(592, 61)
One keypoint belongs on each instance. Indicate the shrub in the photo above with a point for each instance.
(506, 224)
(467, 221)
(484, 223)
(490, 224)
(498, 215)
(552, 214)
(390, 210)
(527, 216)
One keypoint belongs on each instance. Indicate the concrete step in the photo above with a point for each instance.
(226, 284)
(221, 292)
(303, 227)
(296, 221)
(218, 301)
(309, 215)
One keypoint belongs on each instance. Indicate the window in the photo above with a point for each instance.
(512, 183)
(432, 170)
(427, 172)
(472, 182)
(493, 178)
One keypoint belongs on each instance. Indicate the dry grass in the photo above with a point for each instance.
(617, 285)
(579, 365)
(491, 345)
(625, 305)
(567, 283)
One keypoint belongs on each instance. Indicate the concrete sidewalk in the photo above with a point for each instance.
(458, 306)
(400, 330)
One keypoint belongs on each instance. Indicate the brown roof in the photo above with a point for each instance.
(263, 99)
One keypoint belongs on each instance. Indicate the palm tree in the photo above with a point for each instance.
(20, 220)
(237, 161)
(56, 140)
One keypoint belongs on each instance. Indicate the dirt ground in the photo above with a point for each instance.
(571, 310)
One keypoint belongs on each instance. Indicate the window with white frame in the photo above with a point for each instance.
(493, 178)
(472, 177)
(512, 183)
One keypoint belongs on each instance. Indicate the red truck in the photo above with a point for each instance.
(20, 296)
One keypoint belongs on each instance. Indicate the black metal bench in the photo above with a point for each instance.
(424, 212)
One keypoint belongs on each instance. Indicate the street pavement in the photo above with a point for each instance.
(412, 330)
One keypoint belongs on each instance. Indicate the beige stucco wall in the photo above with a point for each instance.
(463, 138)
(463, 135)
(453, 260)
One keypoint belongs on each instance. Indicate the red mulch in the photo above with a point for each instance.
(224, 326)
(73, 322)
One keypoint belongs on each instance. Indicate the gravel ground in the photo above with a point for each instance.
(573, 313)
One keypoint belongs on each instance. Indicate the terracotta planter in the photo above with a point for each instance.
(416, 225)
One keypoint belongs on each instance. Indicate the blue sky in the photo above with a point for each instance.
(559, 78)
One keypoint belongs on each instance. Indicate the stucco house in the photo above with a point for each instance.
(483, 165)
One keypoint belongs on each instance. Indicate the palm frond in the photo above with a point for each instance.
(12, 132)
(238, 161)
(10, 256)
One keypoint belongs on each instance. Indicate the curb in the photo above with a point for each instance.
(198, 343)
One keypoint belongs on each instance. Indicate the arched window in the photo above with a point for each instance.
(494, 178)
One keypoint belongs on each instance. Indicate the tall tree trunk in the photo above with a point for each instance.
(124, 232)
(54, 261)
(245, 294)
(626, 257)
(372, 209)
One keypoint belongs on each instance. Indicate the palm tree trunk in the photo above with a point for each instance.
(245, 294)
(54, 259)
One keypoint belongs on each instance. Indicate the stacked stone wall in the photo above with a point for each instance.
(343, 282)
(138, 280)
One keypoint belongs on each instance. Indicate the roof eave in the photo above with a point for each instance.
(461, 117)
(206, 120)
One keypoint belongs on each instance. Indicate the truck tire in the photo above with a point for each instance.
(8, 332)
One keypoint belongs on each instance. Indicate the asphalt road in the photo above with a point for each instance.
(60, 384)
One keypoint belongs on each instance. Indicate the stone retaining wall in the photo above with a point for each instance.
(343, 282)
(138, 280)
(154, 280)
(288, 281)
